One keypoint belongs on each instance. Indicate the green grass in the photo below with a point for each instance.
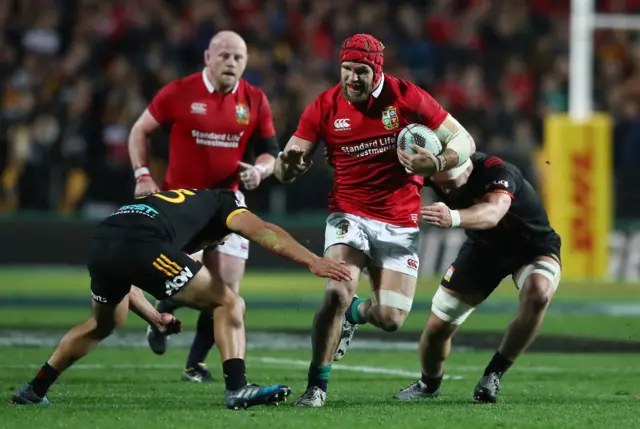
(70, 282)
(73, 283)
(621, 328)
(540, 391)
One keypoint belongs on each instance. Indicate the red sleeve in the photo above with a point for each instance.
(265, 128)
(309, 124)
(161, 107)
(428, 110)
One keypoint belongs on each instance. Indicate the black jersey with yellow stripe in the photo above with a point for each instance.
(190, 219)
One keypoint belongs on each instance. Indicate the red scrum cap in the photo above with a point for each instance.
(366, 49)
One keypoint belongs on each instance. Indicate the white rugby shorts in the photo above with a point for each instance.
(387, 246)
(234, 245)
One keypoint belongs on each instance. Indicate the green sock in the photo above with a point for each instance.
(319, 376)
(352, 313)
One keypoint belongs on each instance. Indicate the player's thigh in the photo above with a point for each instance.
(108, 317)
(394, 248)
(346, 240)
(204, 292)
(538, 280)
(227, 261)
(392, 289)
(471, 278)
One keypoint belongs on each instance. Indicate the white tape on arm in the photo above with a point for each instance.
(455, 218)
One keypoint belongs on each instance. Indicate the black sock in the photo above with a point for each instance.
(167, 306)
(44, 379)
(202, 342)
(432, 383)
(498, 364)
(235, 374)
(319, 376)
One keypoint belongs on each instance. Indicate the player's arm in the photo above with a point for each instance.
(458, 144)
(159, 111)
(277, 240)
(456, 140)
(266, 148)
(295, 159)
(139, 304)
(487, 213)
(139, 143)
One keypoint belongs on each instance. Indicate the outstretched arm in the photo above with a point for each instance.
(279, 241)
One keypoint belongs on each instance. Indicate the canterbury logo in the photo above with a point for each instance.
(341, 124)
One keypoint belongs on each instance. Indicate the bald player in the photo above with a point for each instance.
(214, 116)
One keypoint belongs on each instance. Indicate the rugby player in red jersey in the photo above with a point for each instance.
(215, 115)
(374, 204)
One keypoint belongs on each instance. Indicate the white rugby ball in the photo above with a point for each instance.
(421, 136)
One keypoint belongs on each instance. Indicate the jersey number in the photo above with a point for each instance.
(180, 195)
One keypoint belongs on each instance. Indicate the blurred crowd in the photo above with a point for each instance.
(75, 74)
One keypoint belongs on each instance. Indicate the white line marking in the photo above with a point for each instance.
(353, 368)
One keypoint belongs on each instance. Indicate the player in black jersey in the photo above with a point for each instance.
(508, 233)
(146, 243)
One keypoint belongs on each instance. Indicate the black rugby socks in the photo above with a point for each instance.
(499, 364)
(44, 379)
(202, 342)
(235, 373)
(432, 383)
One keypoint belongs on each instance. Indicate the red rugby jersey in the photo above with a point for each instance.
(210, 130)
(361, 142)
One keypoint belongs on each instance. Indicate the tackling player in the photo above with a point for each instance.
(374, 204)
(215, 115)
(508, 233)
(146, 243)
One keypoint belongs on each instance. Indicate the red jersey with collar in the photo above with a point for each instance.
(361, 142)
(210, 130)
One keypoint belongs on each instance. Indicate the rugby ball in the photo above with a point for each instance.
(421, 136)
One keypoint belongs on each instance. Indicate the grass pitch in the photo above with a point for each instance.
(132, 388)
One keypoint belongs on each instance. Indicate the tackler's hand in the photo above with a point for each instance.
(330, 269)
(437, 214)
(145, 186)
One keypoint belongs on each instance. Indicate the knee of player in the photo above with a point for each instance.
(338, 295)
(391, 319)
(448, 309)
(103, 329)
(235, 303)
(536, 293)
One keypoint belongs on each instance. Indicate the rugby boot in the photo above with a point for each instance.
(416, 390)
(199, 374)
(26, 396)
(157, 341)
(252, 395)
(313, 397)
(487, 388)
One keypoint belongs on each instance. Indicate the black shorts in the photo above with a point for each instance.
(479, 268)
(153, 265)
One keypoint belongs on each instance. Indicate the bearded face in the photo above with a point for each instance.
(356, 80)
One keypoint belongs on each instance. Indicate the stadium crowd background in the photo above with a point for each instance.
(75, 74)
